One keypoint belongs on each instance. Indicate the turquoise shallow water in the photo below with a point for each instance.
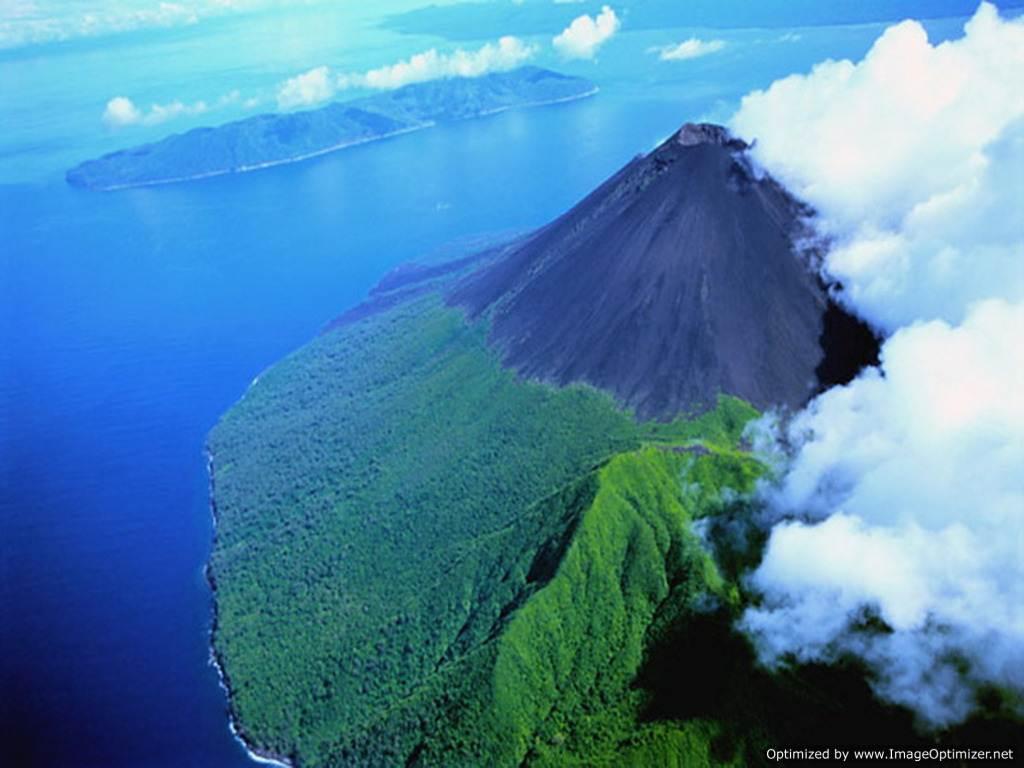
(130, 321)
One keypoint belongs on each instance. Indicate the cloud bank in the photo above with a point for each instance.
(899, 154)
(904, 502)
(903, 497)
(582, 38)
(693, 48)
(320, 84)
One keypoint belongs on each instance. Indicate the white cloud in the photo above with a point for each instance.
(912, 499)
(312, 87)
(582, 38)
(509, 52)
(903, 495)
(693, 48)
(320, 84)
(122, 111)
(898, 154)
(161, 113)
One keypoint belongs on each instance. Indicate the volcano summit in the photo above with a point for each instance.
(675, 281)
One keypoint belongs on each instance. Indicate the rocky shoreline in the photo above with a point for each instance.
(257, 754)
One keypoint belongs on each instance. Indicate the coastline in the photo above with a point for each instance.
(260, 166)
(235, 726)
(543, 103)
(337, 147)
(256, 754)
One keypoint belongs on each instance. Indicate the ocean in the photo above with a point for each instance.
(130, 321)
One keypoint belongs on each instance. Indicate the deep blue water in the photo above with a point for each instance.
(130, 321)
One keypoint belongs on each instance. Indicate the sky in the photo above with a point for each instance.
(81, 78)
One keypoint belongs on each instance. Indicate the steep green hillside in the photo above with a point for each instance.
(422, 559)
(567, 659)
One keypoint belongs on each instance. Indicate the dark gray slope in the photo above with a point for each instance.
(672, 282)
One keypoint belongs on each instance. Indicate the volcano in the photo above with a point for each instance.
(445, 538)
(676, 280)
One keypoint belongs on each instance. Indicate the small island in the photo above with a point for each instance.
(267, 140)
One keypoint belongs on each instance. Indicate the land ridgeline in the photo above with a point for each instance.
(274, 139)
(675, 280)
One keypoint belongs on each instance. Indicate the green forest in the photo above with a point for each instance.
(422, 559)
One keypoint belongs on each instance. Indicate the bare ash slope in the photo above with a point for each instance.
(675, 280)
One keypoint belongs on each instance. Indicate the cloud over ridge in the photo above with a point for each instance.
(321, 84)
(507, 53)
(902, 496)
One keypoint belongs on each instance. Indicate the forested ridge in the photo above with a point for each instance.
(398, 515)
(422, 559)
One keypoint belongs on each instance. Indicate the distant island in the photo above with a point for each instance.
(266, 140)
